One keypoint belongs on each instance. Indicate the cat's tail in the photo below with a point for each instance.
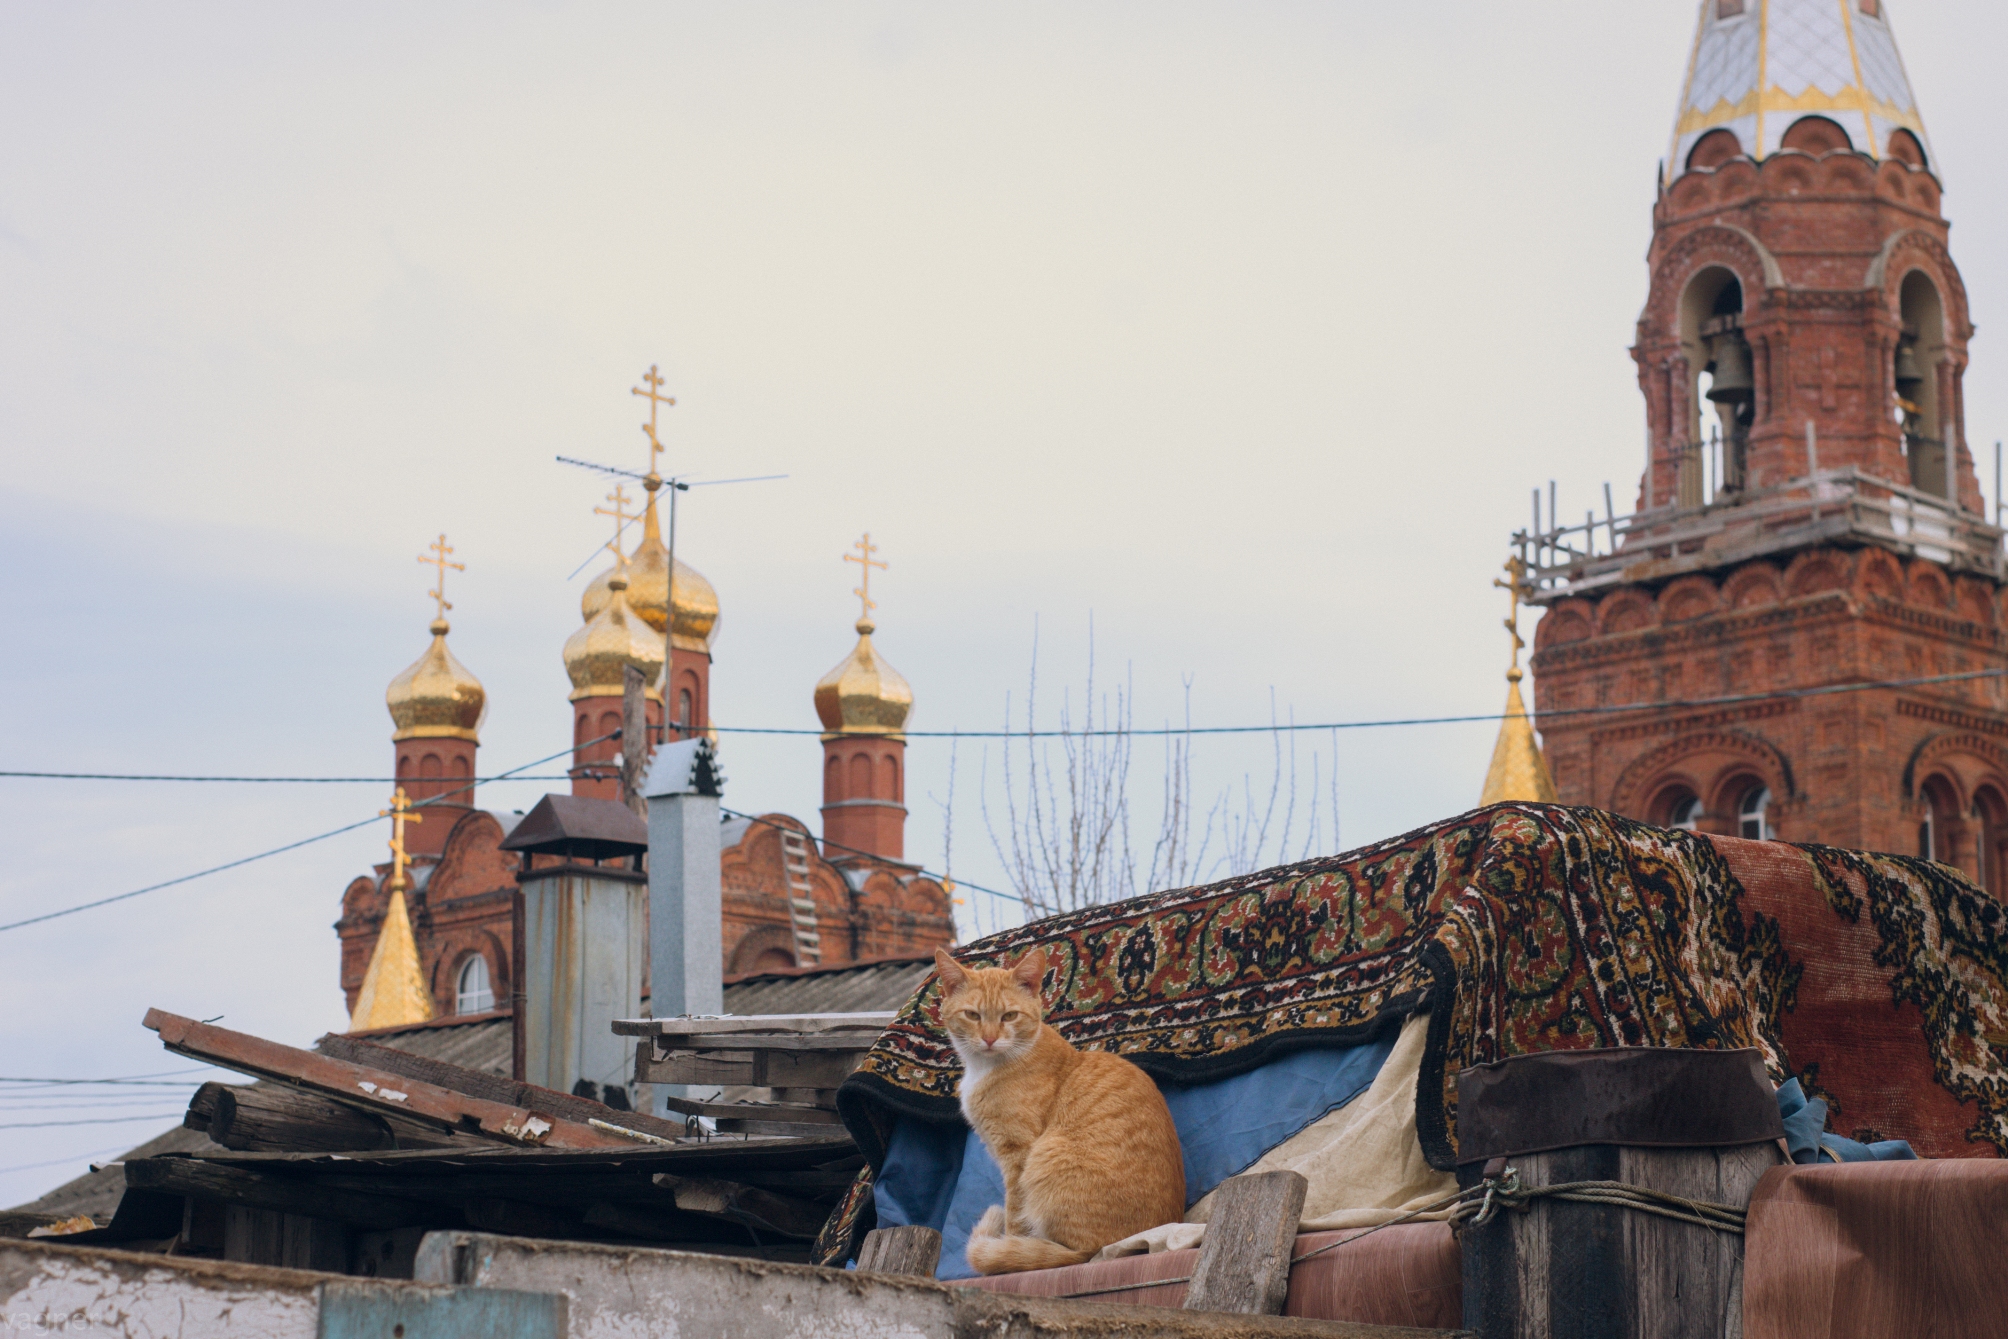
(1011, 1255)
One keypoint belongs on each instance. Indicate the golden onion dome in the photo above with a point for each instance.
(696, 601)
(437, 697)
(612, 639)
(863, 695)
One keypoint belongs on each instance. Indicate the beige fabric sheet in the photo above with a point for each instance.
(1364, 1161)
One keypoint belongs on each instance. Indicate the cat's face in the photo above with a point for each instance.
(991, 1014)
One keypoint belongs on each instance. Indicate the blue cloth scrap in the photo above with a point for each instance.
(1808, 1139)
(941, 1176)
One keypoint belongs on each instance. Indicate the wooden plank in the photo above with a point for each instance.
(906, 1249)
(1244, 1263)
(796, 1024)
(726, 1068)
(793, 1113)
(489, 1087)
(257, 1190)
(372, 1089)
(804, 1069)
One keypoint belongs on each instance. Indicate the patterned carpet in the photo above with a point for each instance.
(1524, 928)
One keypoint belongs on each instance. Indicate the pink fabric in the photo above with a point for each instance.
(1408, 1274)
(1862, 1250)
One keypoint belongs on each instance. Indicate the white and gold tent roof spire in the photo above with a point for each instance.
(1760, 65)
(1518, 771)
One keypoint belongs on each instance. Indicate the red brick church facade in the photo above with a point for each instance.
(1826, 529)
(867, 901)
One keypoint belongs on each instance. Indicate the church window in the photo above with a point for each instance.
(428, 766)
(1753, 818)
(683, 705)
(1990, 822)
(1683, 811)
(861, 777)
(1919, 350)
(891, 770)
(475, 995)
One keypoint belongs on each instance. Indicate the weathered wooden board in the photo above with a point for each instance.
(1244, 1264)
(724, 1024)
(907, 1249)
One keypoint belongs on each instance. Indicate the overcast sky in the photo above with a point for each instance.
(1241, 330)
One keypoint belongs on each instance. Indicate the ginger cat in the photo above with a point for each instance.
(1084, 1139)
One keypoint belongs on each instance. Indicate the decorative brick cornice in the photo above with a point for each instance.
(1995, 724)
(1754, 711)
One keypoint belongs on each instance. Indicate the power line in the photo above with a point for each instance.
(108, 1120)
(288, 780)
(1274, 727)
(289, 846)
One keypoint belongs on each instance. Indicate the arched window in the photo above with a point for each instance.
(474, 994)
(1683, 811)
(891, 770)
(1753, 816)
(683, 708)
(428, 766)
(861, 776)
(1990, 824)
(1937, 832)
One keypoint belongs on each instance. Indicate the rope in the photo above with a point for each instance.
(1481, 1203)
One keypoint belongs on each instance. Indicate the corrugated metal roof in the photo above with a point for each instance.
(484, 1044)
(849, 989)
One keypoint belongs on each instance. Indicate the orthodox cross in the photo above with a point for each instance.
(620, 514)
(863, 557)
(441, 550)
(656, 400)
(399, 814)
(1517, 588)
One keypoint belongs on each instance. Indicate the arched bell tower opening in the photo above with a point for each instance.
(1920, 354)
(1711, 337)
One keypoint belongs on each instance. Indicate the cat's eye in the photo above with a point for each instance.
(1010, 1014)
(972, 1015)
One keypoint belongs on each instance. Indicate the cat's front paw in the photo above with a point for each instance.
(991, 1224)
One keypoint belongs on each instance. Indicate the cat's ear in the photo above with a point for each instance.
(1030, 969)
(951, 971)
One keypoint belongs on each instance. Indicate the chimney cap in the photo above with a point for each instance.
(574, 826)
(687, 767)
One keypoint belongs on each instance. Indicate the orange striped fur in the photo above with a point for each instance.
(1084, 1139)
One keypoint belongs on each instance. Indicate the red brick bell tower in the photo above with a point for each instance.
(864, 703)
(437, 706)
(1809, 515)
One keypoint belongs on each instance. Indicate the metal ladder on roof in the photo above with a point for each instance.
(801, 900)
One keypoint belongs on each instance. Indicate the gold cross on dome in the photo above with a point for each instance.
(441, 551)
(1517, 588)
(656, 400)
(620, 514)
(863, 557)
(399, 814)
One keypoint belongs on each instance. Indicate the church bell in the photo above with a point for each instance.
(1909, 376)
(1731, 365)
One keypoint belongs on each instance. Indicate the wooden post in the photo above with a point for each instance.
(1563, 1270)
(1244, 1264)
(907, 1249)
(634, 739)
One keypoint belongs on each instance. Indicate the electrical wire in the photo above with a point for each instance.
(291, 846)
(108, 1120)
(288, 780)
(58, 1162)
(1274, 727)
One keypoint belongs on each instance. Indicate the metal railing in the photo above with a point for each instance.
(1845, 506)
